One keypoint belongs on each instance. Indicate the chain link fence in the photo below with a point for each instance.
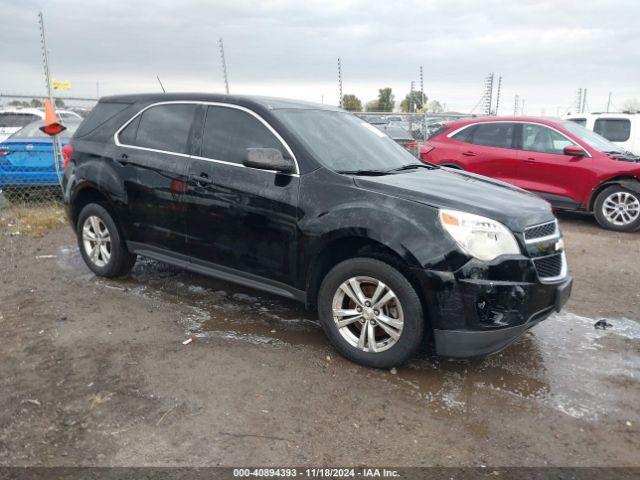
(29, 174)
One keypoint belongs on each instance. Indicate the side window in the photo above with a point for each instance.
(228, 132)
(465, 135)
(128, 135)
(489, 134)
(614, 129)
(538, 138)
(163, 127)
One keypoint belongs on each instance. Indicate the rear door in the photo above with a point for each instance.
(488, 149)
(153, 153)
(545, 169)
(239, 217)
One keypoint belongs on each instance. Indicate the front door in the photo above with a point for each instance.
(153, 152)
(240, 217)
(545, 169)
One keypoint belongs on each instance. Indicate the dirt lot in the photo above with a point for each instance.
(94, 372)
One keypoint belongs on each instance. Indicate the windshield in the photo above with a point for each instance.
(591, 138)
(33, 131)
(343, 142)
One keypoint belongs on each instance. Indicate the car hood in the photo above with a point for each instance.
(444, 188)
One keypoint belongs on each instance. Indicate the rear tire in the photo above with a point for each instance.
(382, 324)
(618, 208)
(101, 243)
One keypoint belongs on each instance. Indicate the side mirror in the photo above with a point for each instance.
(268, 159)
(574, 151)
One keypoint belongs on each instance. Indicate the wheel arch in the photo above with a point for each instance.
(627, 181)
(341, 248)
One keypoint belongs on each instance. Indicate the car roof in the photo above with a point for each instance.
(602, 115)
(271, 103)
(553, 121)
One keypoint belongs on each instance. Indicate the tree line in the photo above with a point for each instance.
(416, 102)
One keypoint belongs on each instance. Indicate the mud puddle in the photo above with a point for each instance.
(564, 363)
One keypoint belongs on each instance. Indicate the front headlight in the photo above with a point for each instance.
(480, 237)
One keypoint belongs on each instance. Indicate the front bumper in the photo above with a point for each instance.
(473, 343)
(482, 308)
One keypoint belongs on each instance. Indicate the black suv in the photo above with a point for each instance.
(312, 203)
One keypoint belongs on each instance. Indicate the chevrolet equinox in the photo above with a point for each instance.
(312, 203)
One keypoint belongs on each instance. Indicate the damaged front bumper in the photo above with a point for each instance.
(483, 308)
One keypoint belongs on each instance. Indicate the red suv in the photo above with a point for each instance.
(570, 166)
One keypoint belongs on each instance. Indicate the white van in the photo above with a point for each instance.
(13, 119)
(623, 129)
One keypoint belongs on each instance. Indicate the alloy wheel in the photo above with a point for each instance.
(368, 314)
(621, 208)
(97, 241)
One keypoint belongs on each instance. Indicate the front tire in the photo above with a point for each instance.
(618, 208)
(371, 313)
(101, 244)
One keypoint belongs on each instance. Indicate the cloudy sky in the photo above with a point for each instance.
(544, 50)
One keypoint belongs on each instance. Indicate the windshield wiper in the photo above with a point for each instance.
(364, 172)
(411, 166)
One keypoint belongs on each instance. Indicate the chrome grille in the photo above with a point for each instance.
(550, 266)
(540, 231)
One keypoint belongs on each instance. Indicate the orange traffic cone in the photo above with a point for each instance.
(52, 125)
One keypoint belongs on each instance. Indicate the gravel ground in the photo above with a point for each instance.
(94, 372)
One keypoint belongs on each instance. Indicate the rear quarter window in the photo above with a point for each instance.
(101, 113)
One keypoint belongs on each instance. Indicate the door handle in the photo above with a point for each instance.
(530, 161)
(203, 179)
(469, 153)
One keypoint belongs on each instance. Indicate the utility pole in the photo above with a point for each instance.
(584, 101)
(578, 101)
(224, 66)
(424, 105)
(340, 80)
(498, 94)
(609, 103)
(422, 89)
(55, 140)
(488, 94)
(411, 109)
(522, 108)
(516, 105)
(45, 54)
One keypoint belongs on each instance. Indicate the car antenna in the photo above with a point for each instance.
(161, 86)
